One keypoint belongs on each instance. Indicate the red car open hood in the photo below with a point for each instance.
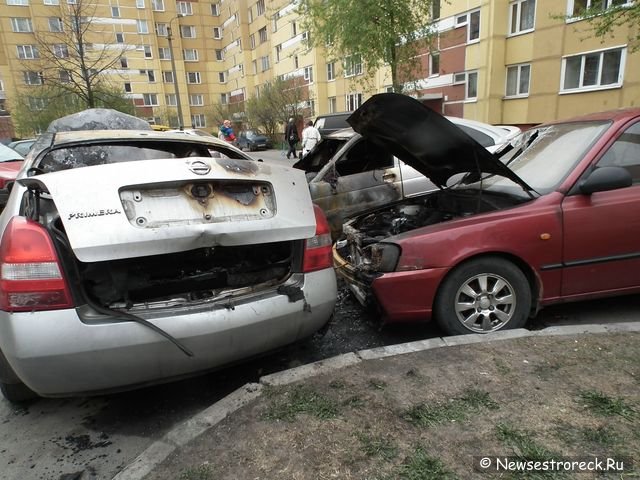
(425, 139)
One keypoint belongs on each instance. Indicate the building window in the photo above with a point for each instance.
(215, 10)
(264, 63)
(55, 24)
(157, 5)
(190, 55)
(119, 37)
(219, 55)
(353, 101)
(518, 77)
(18, 3)
(193, 77)
(224, 98)
(262, 33)
(188, 31)
(217, 32)
(64, 76)
(147, 51)
(593, 71)
(222, 76)
(331, 71)
(260, 7)
(115, 12)
(473, 29)
(37, 103)
(353, 65)
(139, 3)
(51, 2)
(143, 26)
(332, 104)
(33, 78)
(278, 52)
(435, 9)
(167, 77)
(434, 63)
(124, 63)
(196, 100)
(522, 16)
(127, 87)
(577, 8)
(294, 29)
(162, 30)
(151, 76)
(198, 121)
(184, 8)
(28, 52)
(308, 74)
(471, 91)
(60, 50)
(171, 100)
(164, 53)
(252, 41)
(150, 99)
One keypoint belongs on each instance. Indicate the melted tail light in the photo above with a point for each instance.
(317, 249)
(30, 274)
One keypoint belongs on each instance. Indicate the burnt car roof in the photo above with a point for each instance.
(424, 139)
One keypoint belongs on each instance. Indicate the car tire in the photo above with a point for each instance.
(482, 296)
(17, 392)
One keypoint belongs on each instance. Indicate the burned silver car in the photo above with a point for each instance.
(131, 257)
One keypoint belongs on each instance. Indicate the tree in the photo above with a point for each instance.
(379, 32)
(604, 20)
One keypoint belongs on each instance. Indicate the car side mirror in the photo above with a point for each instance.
(603, 179)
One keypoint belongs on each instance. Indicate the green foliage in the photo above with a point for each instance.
(606, 406)
(457, 409)
(381, 32)
(287, 404)
(422, 466)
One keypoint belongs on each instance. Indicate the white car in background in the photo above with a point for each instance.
(132, 257)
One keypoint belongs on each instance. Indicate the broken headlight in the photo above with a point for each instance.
(384, 257)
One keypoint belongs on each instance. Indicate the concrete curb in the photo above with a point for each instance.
(199, 423)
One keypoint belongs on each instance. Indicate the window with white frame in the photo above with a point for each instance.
(147, 51)
(252, 41)
(308, 74)
(37, 103)
(217, 32)
(143, 26)
(518, 78)
(60, 50)
(473, 29)
(51, 2)
(593, 70)
(184, 8)
(167, 76)
(150, 99)
(157, 5)
(577, 8)
(215, 9)
(331, 71)
(151, 76)
(353, 101)
(224, 98)
(332, 104)
(471, 90)
(193, 77)
(264, 63)
(28, 52)
(171, 100)
(260, 7)
(164, 53)
(139, 3)
(196, 100)
(64, 76)
(55, 24)
(33, 78)
(124, 63)
(188, 31)
(162, 29)
(115, 12)
(198, 120)
(127, 87)
(18, 3)
(353, 65)
(250, 12)
(222, 77)
(434, 64)
(262, 33)
(294, 29)
(190, 54)
(119, 37)
(278, 52)
(219, 55)
(522, 18)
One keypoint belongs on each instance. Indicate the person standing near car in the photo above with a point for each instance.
(291, 136)
(226, 131)
(310, 138)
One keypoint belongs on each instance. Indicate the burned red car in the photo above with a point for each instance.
(553, 218)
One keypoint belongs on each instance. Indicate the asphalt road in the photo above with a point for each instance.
(93, 438)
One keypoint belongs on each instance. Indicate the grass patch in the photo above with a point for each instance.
(201, 472)
(601, 435)
(472, 401)
(377, 384)
(421, 466)
(287, 404)
(501, 366)
(605, 406)
(354, 401)
(377, 446)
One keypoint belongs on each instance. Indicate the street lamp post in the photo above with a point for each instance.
(175, 75)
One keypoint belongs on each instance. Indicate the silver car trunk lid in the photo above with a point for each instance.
(152, 207)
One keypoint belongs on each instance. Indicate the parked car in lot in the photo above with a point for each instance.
(10, 164)
(496, 242)
(22, 146)
(134, 257)
(252, 140)
(349, 174)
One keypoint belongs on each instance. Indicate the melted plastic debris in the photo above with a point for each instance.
(98, 119)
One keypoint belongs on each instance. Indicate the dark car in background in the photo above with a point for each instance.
(252, 140)
(554, 219)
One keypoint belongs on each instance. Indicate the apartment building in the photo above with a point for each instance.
(498, 61)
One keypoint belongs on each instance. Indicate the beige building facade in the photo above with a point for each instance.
(498, 61)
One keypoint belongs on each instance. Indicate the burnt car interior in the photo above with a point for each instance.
(320, 156)
(363, 157)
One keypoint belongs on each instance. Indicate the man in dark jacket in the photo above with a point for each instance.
(291, 136)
